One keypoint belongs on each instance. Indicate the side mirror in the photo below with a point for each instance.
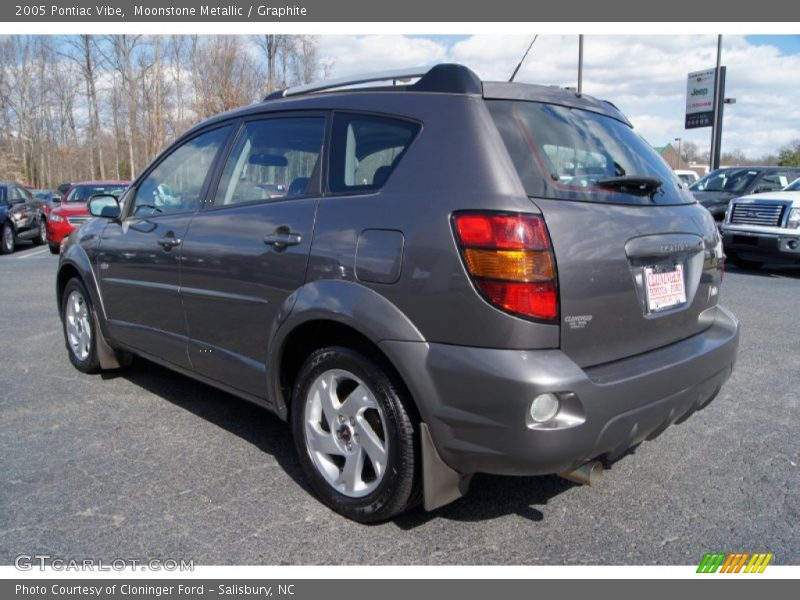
(104, 206)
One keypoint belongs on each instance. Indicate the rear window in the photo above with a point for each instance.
(82, 193)
(365, 149)
(569, 153)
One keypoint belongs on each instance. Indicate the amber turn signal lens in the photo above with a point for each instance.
(512, 265)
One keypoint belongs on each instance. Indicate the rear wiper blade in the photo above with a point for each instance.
(632, 184)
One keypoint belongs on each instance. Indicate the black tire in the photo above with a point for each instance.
(89, 363)
(54, 248)
(398, 489)
(41, 235)
(8, 239)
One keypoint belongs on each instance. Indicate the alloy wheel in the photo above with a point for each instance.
(78, 325)
(345, 433)
(8, 239)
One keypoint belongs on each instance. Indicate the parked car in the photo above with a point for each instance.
(49, 199)
(764, 228)
(687, 176)
(46, 196)
(72, 211)
(718, 188)
(21, 217)
(462, 277)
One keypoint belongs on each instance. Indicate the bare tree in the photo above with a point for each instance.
(307, 65)
(269, 45)
(84, 106)
(121, 56)
(223, 75)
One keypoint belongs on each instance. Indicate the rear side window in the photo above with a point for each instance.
(365, 149)
(572, 154)
(272, 159)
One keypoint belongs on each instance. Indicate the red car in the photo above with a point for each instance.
(73, 212)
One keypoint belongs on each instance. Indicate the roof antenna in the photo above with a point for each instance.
(524, 56)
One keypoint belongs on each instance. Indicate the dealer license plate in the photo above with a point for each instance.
(665, 288)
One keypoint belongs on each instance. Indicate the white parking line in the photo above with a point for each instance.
(34, 253)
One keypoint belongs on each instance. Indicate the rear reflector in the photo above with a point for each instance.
(532, 299)
(510, 261)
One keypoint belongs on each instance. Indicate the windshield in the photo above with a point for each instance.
(82, 193)
(725, 180)
(575, 154)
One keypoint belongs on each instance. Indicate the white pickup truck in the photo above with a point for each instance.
(763, 228)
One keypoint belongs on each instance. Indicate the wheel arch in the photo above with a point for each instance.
(333, 312)
(76, 263)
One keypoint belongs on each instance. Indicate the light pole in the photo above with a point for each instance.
(679, 140)
(580, 64)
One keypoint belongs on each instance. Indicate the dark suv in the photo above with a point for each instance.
(460, 277)
(21, 217)
(718, 188)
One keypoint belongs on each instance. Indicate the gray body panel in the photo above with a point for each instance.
(386, 265)
(139, 282)
(232, 286)
(475, 398)
(603, 310)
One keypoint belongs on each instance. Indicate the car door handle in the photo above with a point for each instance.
(282, 237)
(169, 241)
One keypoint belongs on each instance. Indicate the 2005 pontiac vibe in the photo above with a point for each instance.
(427, 281)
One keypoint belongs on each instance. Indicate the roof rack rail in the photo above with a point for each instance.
(329, 84)
(445, 78)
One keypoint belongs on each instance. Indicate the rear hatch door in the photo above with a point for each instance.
(638, 259)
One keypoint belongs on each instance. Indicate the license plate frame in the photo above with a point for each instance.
(664, 287)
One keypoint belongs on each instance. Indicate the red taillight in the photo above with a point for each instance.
(510, 260)
(508, 232)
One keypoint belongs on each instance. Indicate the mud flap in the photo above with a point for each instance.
(108, 357)
(441, 485)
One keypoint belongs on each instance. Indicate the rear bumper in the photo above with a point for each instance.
(766, 247)
(475, 400)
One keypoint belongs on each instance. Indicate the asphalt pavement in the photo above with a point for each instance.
(145, 463)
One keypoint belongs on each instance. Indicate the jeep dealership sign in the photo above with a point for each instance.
(700, 99)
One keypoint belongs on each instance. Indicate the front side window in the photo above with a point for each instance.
(365, 150)
(272, 159)
(794, 186)
(176, 184)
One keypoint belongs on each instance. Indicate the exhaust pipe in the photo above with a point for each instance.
(589, 473)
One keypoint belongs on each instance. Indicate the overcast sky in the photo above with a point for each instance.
(645, 76)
